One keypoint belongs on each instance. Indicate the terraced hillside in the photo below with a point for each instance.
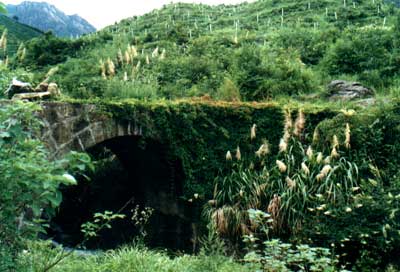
(17, 33)
(251, 51)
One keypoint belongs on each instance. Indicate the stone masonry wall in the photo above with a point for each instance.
(77, 127)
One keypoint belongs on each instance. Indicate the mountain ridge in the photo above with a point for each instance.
(47, 17)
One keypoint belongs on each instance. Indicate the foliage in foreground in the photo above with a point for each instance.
(273, 255)
(29, 181)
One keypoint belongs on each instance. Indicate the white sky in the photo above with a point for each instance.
(101, 13)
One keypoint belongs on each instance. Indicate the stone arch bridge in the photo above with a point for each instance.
(147, 175)
(78, 127)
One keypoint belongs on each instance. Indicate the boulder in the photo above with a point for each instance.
(42, 87)
(17, 87)
(53, 89)
(345, 90)
(20, 90)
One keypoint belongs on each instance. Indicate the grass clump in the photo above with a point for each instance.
(129, 259)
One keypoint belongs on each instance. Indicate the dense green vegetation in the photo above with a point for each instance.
(34, 190)
(258, 51)
(285, 180)
(359, 222)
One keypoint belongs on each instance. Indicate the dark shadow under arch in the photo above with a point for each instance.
(132, 169)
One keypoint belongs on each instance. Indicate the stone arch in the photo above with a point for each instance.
(78, 127)
(159, 181)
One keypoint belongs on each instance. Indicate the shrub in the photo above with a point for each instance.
(333, 198)
(293, 185)
(262, 74)
(364, 51)
(228, 91)
(311, 44)
(132, 89)
(29, 183)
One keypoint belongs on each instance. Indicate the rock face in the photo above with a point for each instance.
(47, 17)
(18, 87)
(345, 90)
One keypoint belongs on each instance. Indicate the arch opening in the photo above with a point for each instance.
(132, 173)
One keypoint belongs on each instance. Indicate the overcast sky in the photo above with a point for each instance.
(101, 13)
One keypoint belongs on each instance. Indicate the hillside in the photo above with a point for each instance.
(47, 17)
(17, 33)
(251, 51)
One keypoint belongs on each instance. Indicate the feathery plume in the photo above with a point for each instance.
(299, 123)
(134, 51)
(319, 177)
(138, 66)
(347, 136)
(120, 58)
(228, 156)
(128, 58)
(155, 53)
(335, 142)
(21, 53)
(305, 169)
(283, 145)
(273, 209)
(251, 166)
(326, 169)
(162, 56)
(253, 132)
(315, 136)
(288, 125)
(334, 153)
(281, 166)
(324, 172)
(327, 160)
(290, 183)
(51, 72)
(3, 40)
(110, 67)
(238, 154)
(319, 157)
(125, 76)
(147, 60)
(263, 150)
(103, 69)
(310, 153)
